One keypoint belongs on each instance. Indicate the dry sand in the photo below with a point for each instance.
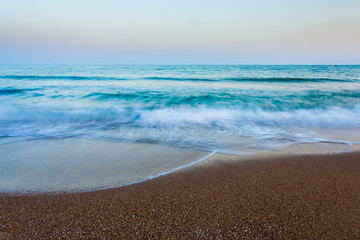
(284, 197)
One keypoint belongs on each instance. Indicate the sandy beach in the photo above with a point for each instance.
(281, 197)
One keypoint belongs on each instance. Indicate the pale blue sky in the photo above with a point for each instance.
(180, 32)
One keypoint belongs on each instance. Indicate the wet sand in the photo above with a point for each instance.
(283, 197)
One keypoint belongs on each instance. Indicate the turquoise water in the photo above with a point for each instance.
(216, 108)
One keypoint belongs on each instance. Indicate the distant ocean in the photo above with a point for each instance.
(231, 109)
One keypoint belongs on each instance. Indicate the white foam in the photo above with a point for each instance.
(226, 129)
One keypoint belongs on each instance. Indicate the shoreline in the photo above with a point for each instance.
(109, 161)
(298, 196)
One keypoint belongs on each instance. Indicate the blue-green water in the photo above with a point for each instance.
(216, 108)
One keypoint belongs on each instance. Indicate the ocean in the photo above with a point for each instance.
(230, 109)
(81, 128)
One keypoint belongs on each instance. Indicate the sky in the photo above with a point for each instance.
(180, 32)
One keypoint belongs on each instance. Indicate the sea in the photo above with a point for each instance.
(234, 109)
(83, 128)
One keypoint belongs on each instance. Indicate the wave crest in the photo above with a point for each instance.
(234, 79)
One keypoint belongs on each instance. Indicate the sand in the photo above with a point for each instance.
(283, 197)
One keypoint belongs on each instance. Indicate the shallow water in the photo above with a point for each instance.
(82, 165)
